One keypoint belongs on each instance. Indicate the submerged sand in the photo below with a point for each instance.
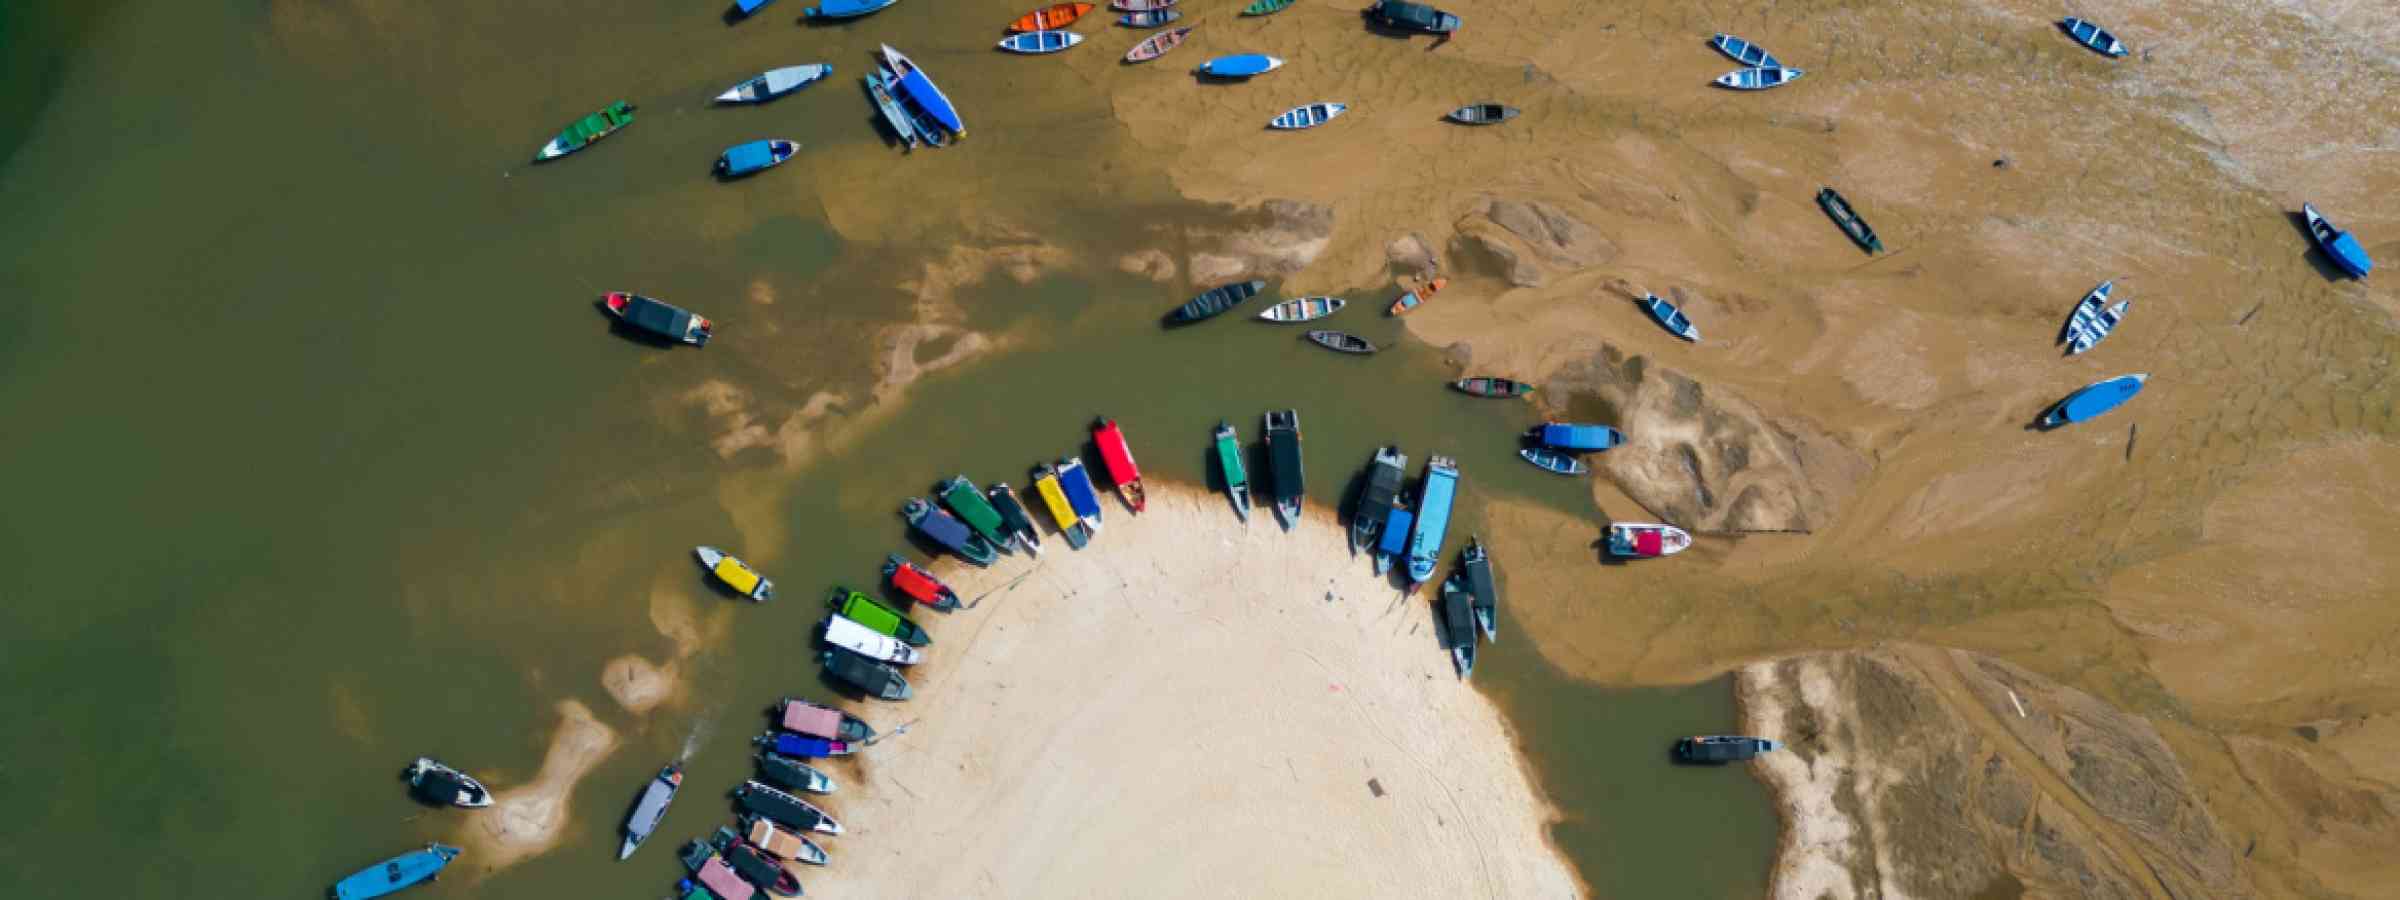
(1190, 707)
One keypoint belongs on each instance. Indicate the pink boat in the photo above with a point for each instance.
(816, 720)
(718, 877)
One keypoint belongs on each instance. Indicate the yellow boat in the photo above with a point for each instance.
(736, 574)
(1045, 483)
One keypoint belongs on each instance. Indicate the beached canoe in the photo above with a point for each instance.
(715, 876)
(587, 131)
(1748, 54)
(1117, 457)
(1305, 309)
(766, 835)
(2093, 400)
(784, 808)
(874, 678)
(1229, 465)
(1266, 7)
(1240, 65)
(1013, 517)
(976, 510)
(1140, 5)
(868, 611)
(2094, 37)
(651, 807)
(845, 9)
(1838, 209)
(1400, 15)
(2337, 244)
(1037, 42)
(1458, 626)
(1384, 474)
(918, 584)
(1076, 482)
(775, 83)
(918, 89)
(1488, 386)
(1575, 438)
(1149, 18)
(1555, 461)
(1722, 748)
(736, 574)
(850, 635)
(903, 125)
(392, 875)
(754, 865)
(2092, 320)
(1416, 297)
(1476, 566)
(659, 317)
(434, 782)
(1432, 519)
(1759, 78)
(1062, 513)
(755, 156)
(1646, 540)
(790, 772)
(803, 746)
(1309, 116)
(1670, 318)
(748, 7)
(1341, 342)
(947, 531)
(1157, 45)
(1214, 301)
(813, 719)
(1050, 18)
(1482, 114)
(1283, 453)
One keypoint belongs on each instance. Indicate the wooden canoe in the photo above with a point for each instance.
(1157, 45)
(1409, 302)
(1050, 18)
(1139, 5)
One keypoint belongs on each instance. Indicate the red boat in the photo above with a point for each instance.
(918, 584)
(1119, 459)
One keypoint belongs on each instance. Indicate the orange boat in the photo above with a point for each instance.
(1051, 18)
(1409, 302)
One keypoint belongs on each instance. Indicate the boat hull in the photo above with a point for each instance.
(1646, 540)
(1432, 519)
(2336, 244)
(399, 872)
(2094, 400)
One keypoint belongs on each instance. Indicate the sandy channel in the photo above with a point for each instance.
(1190, 707)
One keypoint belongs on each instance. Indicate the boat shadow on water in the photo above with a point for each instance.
(2316, 255)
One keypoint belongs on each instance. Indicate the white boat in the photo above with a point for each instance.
(849, 635)
(1305, 309)
(775, 83)
(438, 783)
(1309, 116)
(1759, 78)
(1646, 540)
(2092, 320)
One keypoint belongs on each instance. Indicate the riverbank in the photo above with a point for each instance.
(1191, 707)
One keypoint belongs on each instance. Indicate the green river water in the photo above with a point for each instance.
(321, 459)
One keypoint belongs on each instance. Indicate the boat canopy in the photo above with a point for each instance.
(865, 611)
(1229, 457)
(808, 747)
(736, 575)
(718, 876)
(1284, 448)
(1115, 454)
(1479, 581)
(1395, 533)
(1578, 437)
(651, 808)
(1055, 498)
(749, 157)
(809, 718)
(1382, 485)
(943, 527)
(652, 315)
(1078, 484)
(1458, 617)
(914, 582)
(1433, 518)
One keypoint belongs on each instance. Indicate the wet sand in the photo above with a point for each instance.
(1190, 707)
(528, 819)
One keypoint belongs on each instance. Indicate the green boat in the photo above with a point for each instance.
(965, 499)
(877, 617)
(587, 131)
(1229, 458)
(1265, 7)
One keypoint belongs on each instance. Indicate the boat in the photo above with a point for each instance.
(1488, 386)
(716, 876)
(1265, 7)
(784, 809)
(747, 7)
(1283, 452)
(1394, 544)
(2092, 36)
(817, 720)
(1433, 518)
(1013, 516)
(1401, 15)
(803, 746)
(764, 834)
(1384, 474)
(1214, 301)
(790, 772)
(1117, 457)
(775, 83)
(1037, 42)
(845, 9)
(1062, 513)
(2092, 319)
(1578, 438)
(1305, 309)
(1050, 18)
(1759, 78)
(1646, 540)
(1149, 18)
(1240, 65)
(1748, 54)
(2094, 399)
(1458, 626)
(1309, 116)
(2337, 244)
(587, 131)
(1140, 5)
(1670, 318)
(848, 634)
(865, 610)
(391, 875)
(946, 530)
(918, 584)
(755, 157)
(659, 317)
(1555, 461)
(434, 782)
(650, 808)
(879, 89)
(1721, 748)
(1157, 45)
(1416, 297)
(1838, 209)
(1476, 567)
(1076, 481)
(876, 679)
(1482, 114)
(1341, 342)
(753, 865)
(2101, 324)
(965, 499)
(1229, 464)
(736, 574)
(918, 89)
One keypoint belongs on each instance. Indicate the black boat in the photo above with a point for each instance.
(1838, 209)
(1341, 342)
(1215, 300)
(1400, 15)
(1458, 626)
(1013, 517)
(1384, 475)
(1478, 566)
(754, 866)
(784, 809)
(1283, 451)
(792, 773)
(1722, 748)
(1482, 114)
(875, 678)
(434, 782)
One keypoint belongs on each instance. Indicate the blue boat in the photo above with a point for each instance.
(844, 9)
(754, 157)
(1309, 116)
(1759, 78)
(1670, 318)
(879, 89)
(744, 8)
(2094, 399)
(1148, 18)
(1748, 54)
(1554, 461)
(2092, 36)
(1579, 438)
(393, 874)
(1040, 41)
(1433, 519)
(946, 530)
(919, 91)
(1395, 536)
(805, 747)
(2337, 244)
(1242, 65)
(1077, 482)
